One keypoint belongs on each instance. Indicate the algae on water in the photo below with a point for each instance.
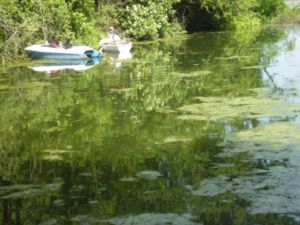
(272, 185)
(225, 108)
(154, 219)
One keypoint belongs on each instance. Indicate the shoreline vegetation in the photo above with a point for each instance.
(288, 16)
(23, 23)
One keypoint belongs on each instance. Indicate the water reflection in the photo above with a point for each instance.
(193, 131)
(115, 58)
(59, 65)
(284, 71)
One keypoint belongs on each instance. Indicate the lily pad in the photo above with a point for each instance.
(174, 139)
(28, 191)
(128, 179)
(85, 174)
(149, 175)
(50, 222)
(53, 157)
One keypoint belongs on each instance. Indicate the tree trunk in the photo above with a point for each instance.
(97, 3)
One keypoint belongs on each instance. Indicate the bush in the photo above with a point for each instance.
(244, 22)
(148, 19)
(270, 8)
(224, 14)
(34, 21)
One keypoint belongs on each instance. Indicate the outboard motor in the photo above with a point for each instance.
(92, 54)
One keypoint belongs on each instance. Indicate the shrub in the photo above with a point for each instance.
(270, 8)
(148, 19)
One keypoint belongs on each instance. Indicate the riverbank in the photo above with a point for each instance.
(23, 23)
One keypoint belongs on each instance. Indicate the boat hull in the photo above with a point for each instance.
(116, 46)
(42, 55)
(45, 52)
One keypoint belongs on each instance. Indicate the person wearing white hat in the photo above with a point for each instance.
(112, 35)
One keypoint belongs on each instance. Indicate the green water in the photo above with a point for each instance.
(202, 129)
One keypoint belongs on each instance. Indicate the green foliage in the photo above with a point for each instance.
(288, 16)
(149, 19)
(50, 15)
(85, 22)
(270, 8)
(246, 22)
(225, 12)
(222, 14)
(85, 29)
(15, 30)
(105, 17)
(85, 7)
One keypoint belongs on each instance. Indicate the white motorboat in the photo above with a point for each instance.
(122, 45)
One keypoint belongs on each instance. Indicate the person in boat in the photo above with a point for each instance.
(68, 44)
(113, 35)
(53, 42)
